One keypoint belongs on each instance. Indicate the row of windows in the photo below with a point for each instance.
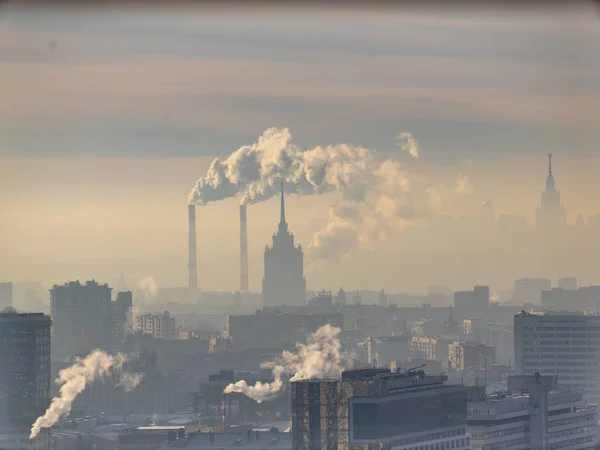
(431, 437)
(456, 443)
(571, 443)
(571, 431)
(500, 433)
(504, 444)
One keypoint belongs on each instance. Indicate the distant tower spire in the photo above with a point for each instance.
(282, 222)
(550, 164)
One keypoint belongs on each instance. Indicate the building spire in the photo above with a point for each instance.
(550, 164)
(282, 222)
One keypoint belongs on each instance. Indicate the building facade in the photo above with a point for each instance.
(81, 318)
(284, 282)
(583, 299)
(372, 409)
(122, 321)
(466, 356)
(562, 344)
(160, 326)
(532, 415)
(24, 378)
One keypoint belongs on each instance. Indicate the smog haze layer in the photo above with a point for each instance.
(108, 120)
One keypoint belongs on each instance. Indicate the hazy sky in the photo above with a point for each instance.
(108, 117)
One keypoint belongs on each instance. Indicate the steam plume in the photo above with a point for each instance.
(73, 381)
(378, 197)
(149, 287)
(320, 357)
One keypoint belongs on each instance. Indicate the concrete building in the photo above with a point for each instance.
(582, 299)
(267, 329)
(532, 415)
(284, 282)
(474, 328)
(434, 348)
(478, 297)
(466, 356)
(81, 317)
(6, 295)
(550, 213)
(321, 299)
(501, 337)
(372, 409)
(529, 290)
(562, 344)
(160, 326)
(270, 439)
(24, 378)
(381, 351)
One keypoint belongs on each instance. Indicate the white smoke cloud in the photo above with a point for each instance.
(408, 143)
(379, 195)
(439, 193)
(320, 357)
(74, 379)
(149, 287)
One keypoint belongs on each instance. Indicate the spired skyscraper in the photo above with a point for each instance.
(550, 213)
(284, 282)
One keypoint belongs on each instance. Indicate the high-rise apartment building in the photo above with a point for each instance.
(284, 282)
(82, 318)
(122, 320)
(24, 378)
(532, 415)
(372, 409)
(6, 295)
(562, 344)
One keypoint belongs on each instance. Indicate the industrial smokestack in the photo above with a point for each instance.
(243, 250)
(193, 273)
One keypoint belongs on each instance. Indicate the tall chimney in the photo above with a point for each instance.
(193, 272)
(243, 250)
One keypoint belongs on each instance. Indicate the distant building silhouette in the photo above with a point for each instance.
(6, 295)
(550, 212)
(82, 318)
(284, 282)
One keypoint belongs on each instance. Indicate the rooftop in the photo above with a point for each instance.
(230, 441)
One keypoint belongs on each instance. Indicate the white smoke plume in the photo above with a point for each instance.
(439, 193)
(377, 195)
(74, 379)
(320, 357)
(149, 287)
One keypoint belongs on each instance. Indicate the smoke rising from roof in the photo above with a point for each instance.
(74, 379)
(320, 357)
(378, 194)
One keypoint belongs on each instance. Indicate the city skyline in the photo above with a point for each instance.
(486, 106)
